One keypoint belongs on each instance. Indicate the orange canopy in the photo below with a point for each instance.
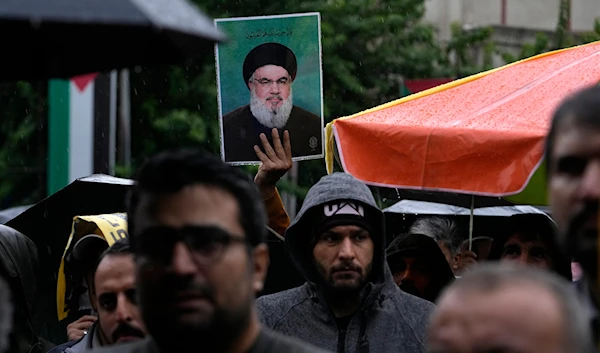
(483, 134)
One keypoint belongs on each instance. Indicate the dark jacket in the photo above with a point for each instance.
(241, 132)
(543, 228)
(267, 342)
(78, 346)
(388, 319)
(425, 248)
(19, 261)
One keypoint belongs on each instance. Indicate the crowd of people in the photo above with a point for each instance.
(187, 275)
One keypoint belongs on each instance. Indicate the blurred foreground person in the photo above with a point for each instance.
(349, 302)
(112, 294)
(197, 229)
(573, 164)
(509, 308)
(19, 266)
(418, 266)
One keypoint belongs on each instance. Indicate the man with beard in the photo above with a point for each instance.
(418, 266)
(350, 302)
(113, 298)
(268, 71)
(573, 164)
(197, 228)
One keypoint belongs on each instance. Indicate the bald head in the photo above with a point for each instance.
(509, 308)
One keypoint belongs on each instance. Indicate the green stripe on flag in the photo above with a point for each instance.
(58, 135)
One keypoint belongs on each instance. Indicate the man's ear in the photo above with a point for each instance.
(456, 262)
(261, 265)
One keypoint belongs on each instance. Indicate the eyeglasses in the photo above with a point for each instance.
(265, 82)
(206, 244)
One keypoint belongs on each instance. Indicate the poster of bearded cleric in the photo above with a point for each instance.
(269, 76)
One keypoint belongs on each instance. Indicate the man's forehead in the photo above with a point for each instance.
(271, 70)
(573, 138)
(194, 205)
(114, 267)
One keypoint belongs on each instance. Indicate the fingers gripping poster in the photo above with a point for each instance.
(269, 75)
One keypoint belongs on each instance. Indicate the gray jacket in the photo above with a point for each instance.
(388, 320)
(267, 342)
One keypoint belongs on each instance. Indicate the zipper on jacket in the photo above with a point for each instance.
(341, 346)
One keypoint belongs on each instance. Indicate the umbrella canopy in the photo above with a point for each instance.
(480, 135)
(10, 213)
(64, 38)
(487, 221)
(412, 207)
(48, 223)
(449, 198)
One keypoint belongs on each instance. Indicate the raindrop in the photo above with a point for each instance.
(137, 69)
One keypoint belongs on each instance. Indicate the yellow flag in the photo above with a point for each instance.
(112, 227)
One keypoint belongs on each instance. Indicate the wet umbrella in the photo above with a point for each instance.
(10, 213)
(65, 38)
(487, 221)
(48, 224)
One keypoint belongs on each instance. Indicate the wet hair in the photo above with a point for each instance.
(582, 109)
(169, 172)
(441, 229)
(489, 278)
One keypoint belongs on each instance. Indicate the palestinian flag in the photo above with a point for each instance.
(79, 111)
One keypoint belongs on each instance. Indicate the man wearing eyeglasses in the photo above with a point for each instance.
(268, 71)
(197, 229)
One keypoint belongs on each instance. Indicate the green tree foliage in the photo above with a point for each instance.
(23, 140)
(462, 46)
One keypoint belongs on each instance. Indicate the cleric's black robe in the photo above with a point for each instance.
(241, 132)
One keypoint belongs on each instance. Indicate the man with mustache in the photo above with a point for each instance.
(573, 164)
(350, 302)
(113, 298)
(268, 72)
(197, 229)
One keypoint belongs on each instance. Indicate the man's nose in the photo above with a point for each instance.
(274, 88)
(406, 275)
(590, 183)
(346, 249)
(523, 258)
(183, 263)
(124, 310)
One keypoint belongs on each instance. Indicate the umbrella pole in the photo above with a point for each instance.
(471, 222)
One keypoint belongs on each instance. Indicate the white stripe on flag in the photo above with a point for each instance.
(81, 136)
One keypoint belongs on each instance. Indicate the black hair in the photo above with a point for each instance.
(583, 109)
(171, 171)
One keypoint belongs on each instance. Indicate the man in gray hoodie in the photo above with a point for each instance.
(350, 302)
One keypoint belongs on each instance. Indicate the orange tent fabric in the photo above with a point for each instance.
(483, 134)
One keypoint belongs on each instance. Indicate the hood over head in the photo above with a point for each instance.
(18, 257)
(337, 199)
(541, 227)
(419, 245)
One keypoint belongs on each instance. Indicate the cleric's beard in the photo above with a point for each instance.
(271, 118)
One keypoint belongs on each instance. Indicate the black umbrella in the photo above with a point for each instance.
(10, 213)
(48, 224)
(65, 38)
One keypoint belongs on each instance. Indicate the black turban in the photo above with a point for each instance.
(270, 54)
